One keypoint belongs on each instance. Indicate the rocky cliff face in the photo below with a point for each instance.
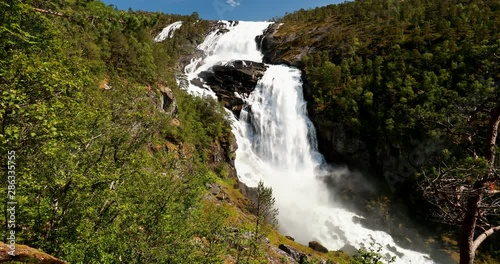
(281, 48)
(233, 80)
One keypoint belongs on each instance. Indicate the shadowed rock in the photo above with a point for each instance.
(168, 101)
(295, 254)
(318, 247)
(233, 79)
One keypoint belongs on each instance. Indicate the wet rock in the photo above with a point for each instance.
(349, 249)
(222, 31)
(291, 238)
(197, 82)
(394, 250)
(266, 43)
(247, 191)
(186, 60)
(233, 80)
(341, 143)
(295, 254)
(279, 49)
(318, 247)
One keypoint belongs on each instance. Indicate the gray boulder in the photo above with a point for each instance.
(318, 247)
(298, 256)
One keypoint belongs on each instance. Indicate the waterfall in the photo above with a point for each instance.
(221, 47)
(168, 31)
(277, 144)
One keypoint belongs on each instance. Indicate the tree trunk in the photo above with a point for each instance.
(467, 249)
(492, 136)
(467, 244)
(25, 254)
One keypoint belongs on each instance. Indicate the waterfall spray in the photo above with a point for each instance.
(277, 144)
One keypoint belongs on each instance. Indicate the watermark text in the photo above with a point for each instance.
(11, 202)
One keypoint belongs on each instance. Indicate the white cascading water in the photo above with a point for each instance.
(168, 31)
(277, 144)
(237, 44)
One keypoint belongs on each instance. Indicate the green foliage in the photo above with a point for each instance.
(204, 120)
(399, 74)
(386, 68)
(265, 212)
(265, 217)
(95, 183)
(250, 241)
(372, 255)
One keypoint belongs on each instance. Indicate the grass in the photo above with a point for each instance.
(239, 216)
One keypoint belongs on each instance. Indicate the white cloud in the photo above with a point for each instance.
(232, 3)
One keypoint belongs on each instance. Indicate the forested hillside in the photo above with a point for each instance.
(410, 90)
(103, 173)
(106, 159)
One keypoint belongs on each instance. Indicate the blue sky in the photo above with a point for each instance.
(250, 10)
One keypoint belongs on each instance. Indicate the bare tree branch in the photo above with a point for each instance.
(483, 236)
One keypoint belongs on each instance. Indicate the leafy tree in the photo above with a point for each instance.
(265, 213)
(411, 72)
(371, 255)
(79, 105)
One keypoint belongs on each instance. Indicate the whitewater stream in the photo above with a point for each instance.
(277, 144)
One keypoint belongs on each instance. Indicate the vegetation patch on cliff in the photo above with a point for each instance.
(114, 163)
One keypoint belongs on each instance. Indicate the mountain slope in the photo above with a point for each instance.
(403, 89)
(113, 162)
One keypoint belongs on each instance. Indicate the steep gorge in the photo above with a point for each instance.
(115, 162)
(276, 144)
(404, 90)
